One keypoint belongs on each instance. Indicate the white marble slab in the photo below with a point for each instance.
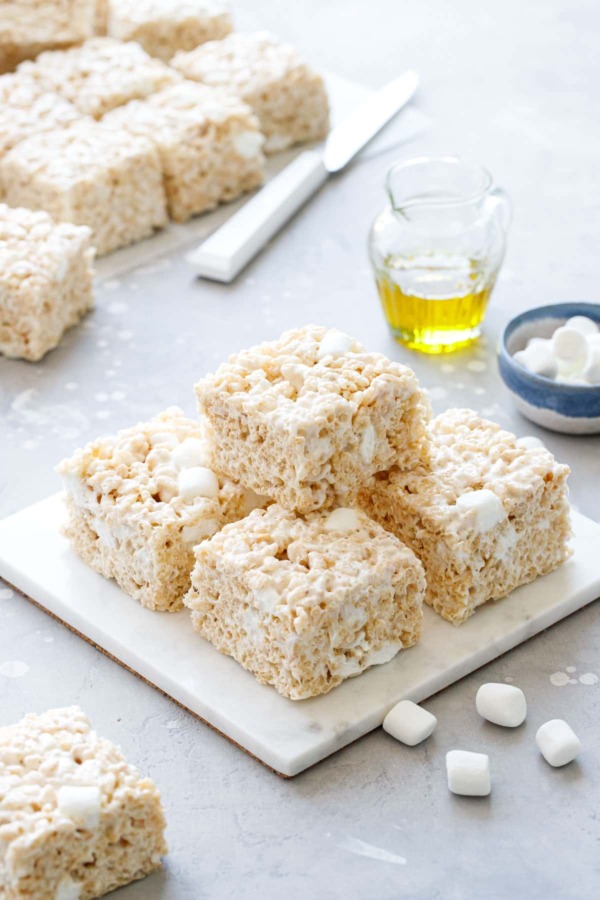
(289, 737)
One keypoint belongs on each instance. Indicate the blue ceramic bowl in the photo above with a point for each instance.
(571, 409)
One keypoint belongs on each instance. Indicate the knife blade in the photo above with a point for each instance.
(229, 250)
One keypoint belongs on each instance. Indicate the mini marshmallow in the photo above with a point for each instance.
(558, 742)
(82, 803)
(191, 452)
(502, 704)
(582, 324)
(468, 773)
(530, 442)
(342, 519)
(197, 482)
(334, 343)
(591, 372)
(409, 723)
(488, 508)
(568, 344)
(68, 890)
(538, 358)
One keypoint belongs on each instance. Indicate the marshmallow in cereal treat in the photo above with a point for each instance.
(486, 515)
(140, 501)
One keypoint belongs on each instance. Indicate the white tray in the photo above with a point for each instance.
(289, 737)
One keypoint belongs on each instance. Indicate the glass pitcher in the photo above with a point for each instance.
(436, 251)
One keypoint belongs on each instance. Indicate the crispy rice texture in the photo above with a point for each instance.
(303, 607)
(28, 27)
(127, 519)
(209, 144)
(465, 568)
(46, 281)
(308, 429)
(163, 27)
(286, 94)
(91, 174)
(44, 853)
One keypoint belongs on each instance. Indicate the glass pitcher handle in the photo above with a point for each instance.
(499, 205)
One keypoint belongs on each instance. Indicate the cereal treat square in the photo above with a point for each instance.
(308, 419)
(27, 27)
(46, 281)
(101, 20)
(139, 502)
(163, 27)
(304, 603)
(100, 75)
(484, 517)
(288, 96)
(25, 111)
(91, 174)
(209, 144)
(76, 819)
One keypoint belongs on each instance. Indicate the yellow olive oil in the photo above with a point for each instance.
(435, 304)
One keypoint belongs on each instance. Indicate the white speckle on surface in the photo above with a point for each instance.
(588, 678)
(6, 593)
(118, 395)
(570, 669)
(14, 668)
(172, 724)
(460, 385)
(480, 391)
(101, 397)
(558, 679)
(30, 445)
(48, 639)
(102, 343)
(361, 848)
(124, 335)
(112, 285)
(110, 373)
(71, 386)
(153, 268)
(476, 365)
(102, 414)
(508, 679)
(448, 367)
(573, 681)
(438, 393)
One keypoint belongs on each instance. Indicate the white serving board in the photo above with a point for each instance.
(285, 735)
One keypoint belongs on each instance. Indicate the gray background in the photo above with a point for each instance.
(515, 86)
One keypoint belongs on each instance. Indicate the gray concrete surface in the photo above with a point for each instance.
(515, 86)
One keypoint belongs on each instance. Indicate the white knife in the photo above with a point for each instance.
(226, 252)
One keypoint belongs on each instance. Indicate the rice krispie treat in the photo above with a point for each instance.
(102, 13)
(90, 174)
(209, 144)
(163, 27)
(485, 517)
(25, 111)
(46, 281)
(100, 75)
(288, 96)
(27, 27)
(304, 603)
(76, 819)
(139, 502)
(308, 419)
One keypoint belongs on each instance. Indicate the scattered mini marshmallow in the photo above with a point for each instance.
(334, 343)
(197, 482)
(191, 452)
(468, 773)
(82, 803)
(568, 344)
(582, 324)
(558, 742)
(409, 723)
(502, 704)
(488, 508)
(530, 442)
(342, 519)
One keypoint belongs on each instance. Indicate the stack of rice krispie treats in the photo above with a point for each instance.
(304, 590)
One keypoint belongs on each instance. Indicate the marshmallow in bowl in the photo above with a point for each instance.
(570, 356)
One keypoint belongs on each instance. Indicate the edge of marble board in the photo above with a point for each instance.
(304, 733)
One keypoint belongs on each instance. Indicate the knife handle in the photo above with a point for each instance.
(225, 253)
